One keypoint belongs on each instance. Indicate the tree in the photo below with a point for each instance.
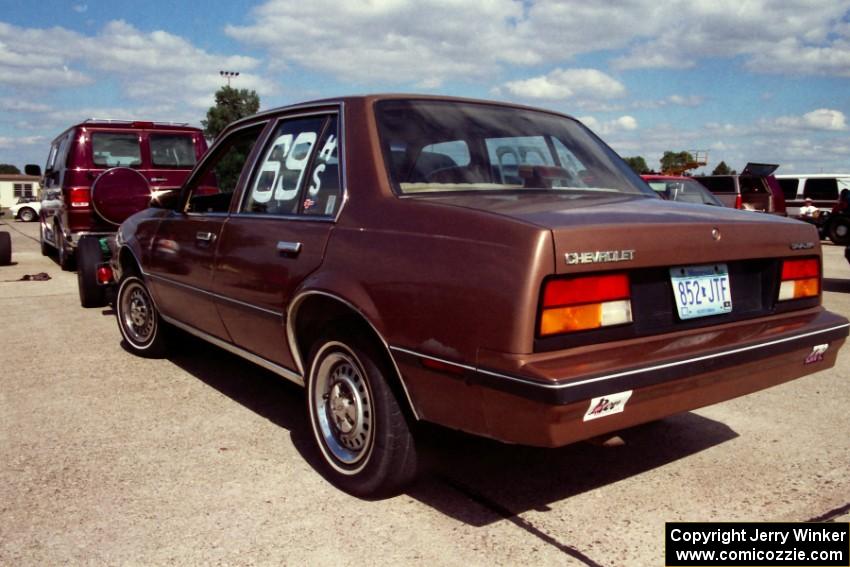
(230, 104)
(9, 168)
(675, 162)
(638, 164)
(722, 169)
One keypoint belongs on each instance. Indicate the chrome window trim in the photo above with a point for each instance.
(337, 108)
(184, 199)
(657, 367)
(292, 311)
(214, 295)
(230, 347)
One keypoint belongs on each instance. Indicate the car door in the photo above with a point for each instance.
(182, 254)
(277, 237)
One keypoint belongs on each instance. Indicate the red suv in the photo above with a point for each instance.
(93, 168)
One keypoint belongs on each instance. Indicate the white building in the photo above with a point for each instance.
(13, 186)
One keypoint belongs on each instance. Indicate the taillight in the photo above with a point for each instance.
(800, 278)
(739, 202)
(79, 197)
(585, 302)
(104, 274)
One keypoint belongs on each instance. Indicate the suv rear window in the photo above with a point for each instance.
(114, 150)
(821, 189)
(172, 150)
(789, 188)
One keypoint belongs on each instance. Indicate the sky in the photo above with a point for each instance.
(744, 80)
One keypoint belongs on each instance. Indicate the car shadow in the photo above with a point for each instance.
(836, 285)
(505, 480)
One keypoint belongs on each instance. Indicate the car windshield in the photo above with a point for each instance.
(684, 190)
(442, 146)
(115, 150)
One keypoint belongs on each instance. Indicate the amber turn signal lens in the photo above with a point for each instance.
(800, 279)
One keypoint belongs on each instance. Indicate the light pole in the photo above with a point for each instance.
(229, 75)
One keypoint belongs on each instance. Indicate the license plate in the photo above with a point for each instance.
(701, 291)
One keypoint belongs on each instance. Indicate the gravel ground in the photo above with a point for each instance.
(106, 458)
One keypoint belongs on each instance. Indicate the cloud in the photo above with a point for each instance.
(8, 143)
(80, 8)
(624, 123)
(153, 66)
(567, 83)
(795, 37)
(820, 119)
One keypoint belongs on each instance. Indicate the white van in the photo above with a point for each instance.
(822, 188)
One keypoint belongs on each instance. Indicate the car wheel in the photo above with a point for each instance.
(27, 214)
(5, 249)
(364, 439)
(839, 231)
(64, 255)
(138, 319)
(89, 255)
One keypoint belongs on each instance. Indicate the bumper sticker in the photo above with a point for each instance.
(607, 405)
(816, 355)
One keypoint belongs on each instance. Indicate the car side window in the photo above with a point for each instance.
(276, 185)
(214, 185)
(323, 194)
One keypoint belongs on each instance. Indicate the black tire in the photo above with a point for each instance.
(143, 329)
(363, 437)
(89, 255)
(5, 249)
(839, 230)
(65, 256)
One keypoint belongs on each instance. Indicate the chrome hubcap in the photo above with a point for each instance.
(343, 407)
(138, 316)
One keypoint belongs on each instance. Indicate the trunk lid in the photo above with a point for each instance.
(610, 232)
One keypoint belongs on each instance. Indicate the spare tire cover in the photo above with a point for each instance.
(119, 192)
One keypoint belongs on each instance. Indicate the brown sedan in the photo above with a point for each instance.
(488, 267)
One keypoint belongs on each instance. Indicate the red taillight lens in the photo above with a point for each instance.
(585, 302)
(79, 197)
(800, 278)
(104, 275)
(739, 202)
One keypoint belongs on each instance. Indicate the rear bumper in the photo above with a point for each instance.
(542, 399)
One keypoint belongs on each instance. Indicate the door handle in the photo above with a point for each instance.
(158, 179)
(205, 236)
(289, 248)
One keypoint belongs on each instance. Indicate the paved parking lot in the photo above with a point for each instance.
(203, 458)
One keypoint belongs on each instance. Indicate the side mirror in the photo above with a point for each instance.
(32, 169)
(166, 199)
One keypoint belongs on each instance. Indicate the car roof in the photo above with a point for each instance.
(372, 98)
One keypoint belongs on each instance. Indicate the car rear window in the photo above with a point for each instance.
(172, 150)
(821, 189)
(111, 149)
(442, 146)
(718, 184)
